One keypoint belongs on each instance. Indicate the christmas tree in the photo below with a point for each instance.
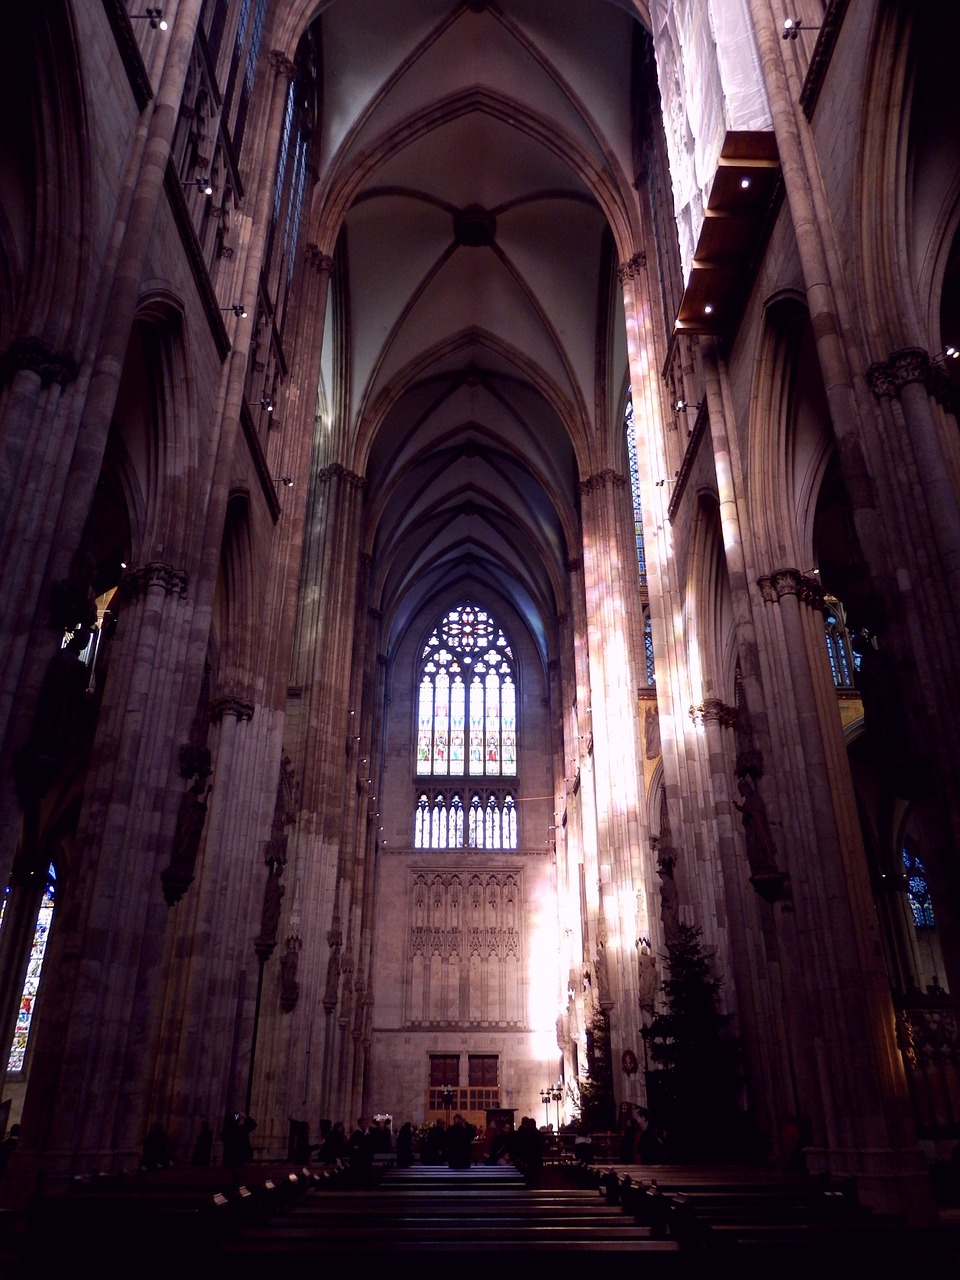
(692, 1070)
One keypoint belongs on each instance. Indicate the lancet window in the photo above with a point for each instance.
(28, 996)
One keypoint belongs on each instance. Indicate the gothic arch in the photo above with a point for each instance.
(909, 190)
(47, 269)
(791, 437)
(234, 626)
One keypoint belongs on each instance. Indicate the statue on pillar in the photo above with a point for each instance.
(669, 896)
(648, 980)
(766, 877)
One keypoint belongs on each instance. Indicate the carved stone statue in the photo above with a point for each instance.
(669, 897)
(273, 892)
(289, 986)
(191, 817)
(761, 852)
(649, 979)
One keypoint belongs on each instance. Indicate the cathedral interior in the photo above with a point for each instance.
(479, 500)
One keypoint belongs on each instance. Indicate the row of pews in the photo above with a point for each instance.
(672, 1221)
(729, 1212)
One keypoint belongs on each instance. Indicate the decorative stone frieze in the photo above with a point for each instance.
(38, 357)
(230, 705)
(137, 582)
(338, 472)
(712, 709)
(632, 267)
(791, 582)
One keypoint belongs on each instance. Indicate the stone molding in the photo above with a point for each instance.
(36, 356)
(600, 480)
(887, 378)
(791, 582)
(630, 269)
(338, 472)
(137, 582)
(713, 709)
(231, 705)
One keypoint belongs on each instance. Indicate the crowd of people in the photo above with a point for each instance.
(458, 1144)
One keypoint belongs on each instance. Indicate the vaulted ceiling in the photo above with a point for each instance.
(476, 192)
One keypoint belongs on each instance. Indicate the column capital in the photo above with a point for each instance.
(317, 259)
(338, 472)
(282, 64)
(600, 480)
(887, 378)
(791, 582)
(632, 267)
(37, 356)
(231, 705)
(137, 582)
(713, 709)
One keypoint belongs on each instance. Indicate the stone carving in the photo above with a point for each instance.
(600, 480)
(231, 706)
(633, 267)
(137, 582)
(791, 582)
(337, 472)
(36, 356)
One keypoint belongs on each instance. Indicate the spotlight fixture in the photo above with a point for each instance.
(154, 15)
(238, 309)
(287, 482)
(202, 184)
(708, 309)
(793, 26)
(266, 402)
(744, 183)
(681, 404)
(949, 352)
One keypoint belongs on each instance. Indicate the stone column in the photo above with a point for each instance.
(323, 668)
(617, 758)
(842, 1009)
(103, 1016)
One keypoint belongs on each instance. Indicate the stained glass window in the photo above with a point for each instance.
(635, 487)
(842, 660)
(918, 892)
(648, 648)
(467, 703)
(31, 986)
